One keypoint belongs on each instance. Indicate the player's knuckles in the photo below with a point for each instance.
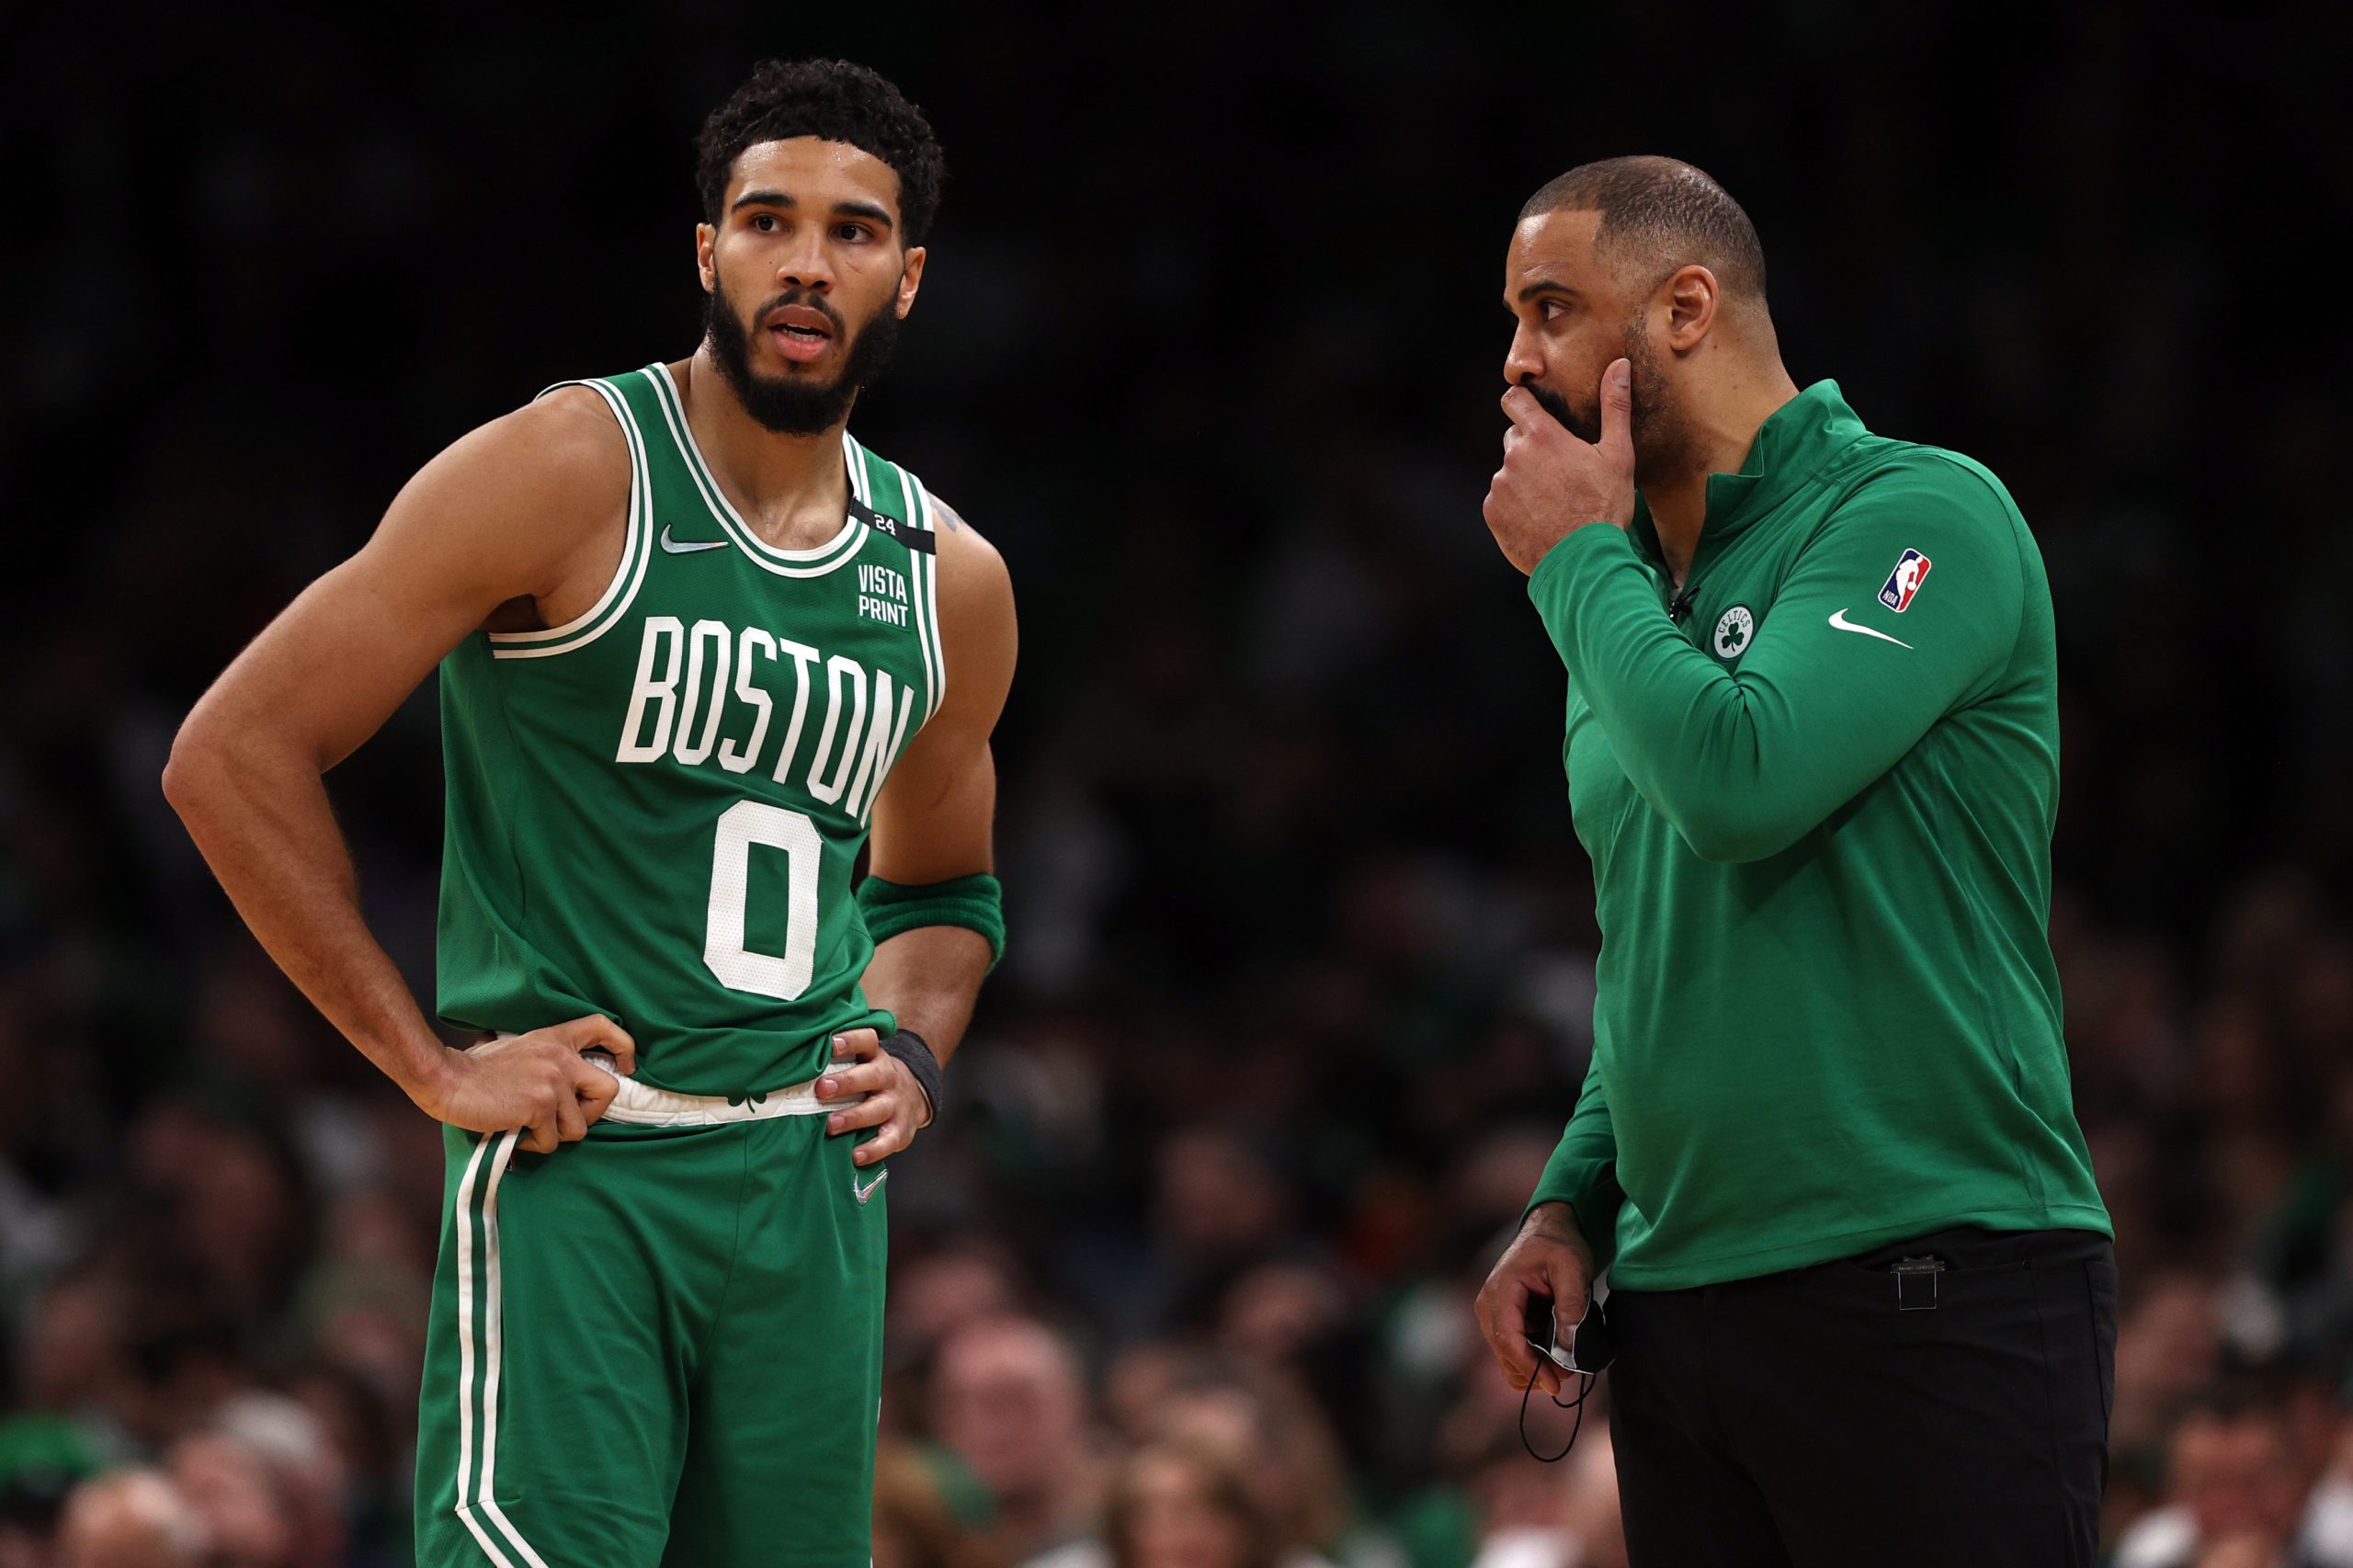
(867, 1113)
(848, 1084)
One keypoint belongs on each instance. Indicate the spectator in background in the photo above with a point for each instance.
(1179, 1504)
(133, 1518)
(2238, 1493)
(1009, 1402)
(229, 1487)
(933, 1293)
(1262, 1420)
(290, 1447)
(1532, 1515)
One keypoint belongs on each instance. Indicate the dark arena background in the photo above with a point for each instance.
(1298, 988)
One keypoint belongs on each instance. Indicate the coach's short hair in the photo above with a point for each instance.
(1663, 213)
(834, 101)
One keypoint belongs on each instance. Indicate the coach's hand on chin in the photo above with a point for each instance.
(1553, 483)
(894, 1102)
(1549, 1257)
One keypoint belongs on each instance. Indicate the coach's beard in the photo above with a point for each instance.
(792, 407)
(1657, 427)
(1586, 430)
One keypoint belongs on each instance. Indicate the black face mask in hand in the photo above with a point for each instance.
(1594, 1349)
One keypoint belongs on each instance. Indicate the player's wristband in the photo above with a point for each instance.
(915, 1051)
(975, 903)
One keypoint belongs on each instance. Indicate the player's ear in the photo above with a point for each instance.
(706, 238)
(1691, 298)
(910, 279)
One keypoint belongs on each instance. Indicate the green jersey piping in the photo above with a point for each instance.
(637, 545)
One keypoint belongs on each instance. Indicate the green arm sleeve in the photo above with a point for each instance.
(1583, 1171)
(1744, 761)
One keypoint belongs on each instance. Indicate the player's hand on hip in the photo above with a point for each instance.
(893, 1101)
(540, 1082)
(1549, 1257)
(1552, 483)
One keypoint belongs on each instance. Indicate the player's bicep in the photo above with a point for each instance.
(933, 818)
(325, 673)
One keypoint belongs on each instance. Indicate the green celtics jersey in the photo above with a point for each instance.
(654, 809)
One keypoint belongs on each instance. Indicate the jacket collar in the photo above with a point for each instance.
(1796, 442)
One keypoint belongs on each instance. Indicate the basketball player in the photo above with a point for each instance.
(695, 641)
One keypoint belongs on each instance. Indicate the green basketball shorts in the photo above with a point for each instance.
(662, 1345)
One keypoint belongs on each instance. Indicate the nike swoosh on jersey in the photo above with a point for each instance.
(689, 546)
(1839, 618)
(863, 1193)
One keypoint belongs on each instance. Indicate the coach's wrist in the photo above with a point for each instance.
(1557, 1221)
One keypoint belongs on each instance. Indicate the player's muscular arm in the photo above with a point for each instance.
(932, 823)
(527, 509)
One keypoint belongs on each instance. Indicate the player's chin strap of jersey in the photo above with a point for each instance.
(975, 903)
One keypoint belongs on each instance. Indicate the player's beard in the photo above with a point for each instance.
(792, 406)
(1660, 434)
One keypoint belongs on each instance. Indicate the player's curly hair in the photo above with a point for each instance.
(839, 101)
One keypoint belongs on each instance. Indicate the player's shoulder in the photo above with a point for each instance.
(523, 491)
(566, 430)
(565, 446)
(976, 614)
(963, 550)
(974, 585)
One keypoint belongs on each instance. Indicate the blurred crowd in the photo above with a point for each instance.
(1299, 985)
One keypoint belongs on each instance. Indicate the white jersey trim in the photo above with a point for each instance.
(637, 545)
(934, 653)
(811, 562)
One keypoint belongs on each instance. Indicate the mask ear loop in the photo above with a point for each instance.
(1577, 1404)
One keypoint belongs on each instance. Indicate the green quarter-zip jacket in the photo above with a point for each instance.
(1818, 788)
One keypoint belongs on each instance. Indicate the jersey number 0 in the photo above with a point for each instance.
(784, 976)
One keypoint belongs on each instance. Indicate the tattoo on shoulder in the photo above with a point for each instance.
(948, 514)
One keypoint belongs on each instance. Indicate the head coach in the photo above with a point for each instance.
(1862, 1286)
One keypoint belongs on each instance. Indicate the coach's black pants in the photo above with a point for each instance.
(1802, 1420)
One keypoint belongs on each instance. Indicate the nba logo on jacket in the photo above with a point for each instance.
(1904, 581)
